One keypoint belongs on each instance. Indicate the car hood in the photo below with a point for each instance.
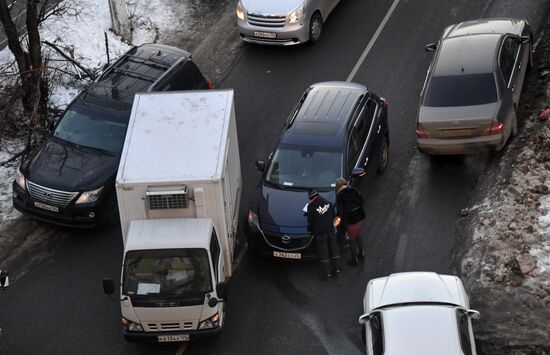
(63, 166)
(281, 211)
(414, 287)
(281, 7)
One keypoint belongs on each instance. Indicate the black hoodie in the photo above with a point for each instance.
(320, 216)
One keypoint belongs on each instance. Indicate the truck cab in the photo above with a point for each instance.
(170, 293)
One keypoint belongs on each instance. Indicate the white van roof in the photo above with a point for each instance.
(176, 136)
(169, 233)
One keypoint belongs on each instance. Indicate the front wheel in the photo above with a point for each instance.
(384, 155)
(315, 27)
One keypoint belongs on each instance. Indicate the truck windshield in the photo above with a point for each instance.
(166, 272)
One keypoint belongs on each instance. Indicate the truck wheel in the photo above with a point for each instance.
(113, 218)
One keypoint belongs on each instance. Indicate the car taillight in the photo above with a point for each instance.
(385, 103)
(421, 132)
(497, 127)
(209, 83)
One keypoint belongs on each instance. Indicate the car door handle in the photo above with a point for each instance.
(519, 65)
(379, 128)
(513, 88)
(366, 161)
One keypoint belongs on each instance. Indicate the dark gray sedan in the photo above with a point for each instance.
(472, 89)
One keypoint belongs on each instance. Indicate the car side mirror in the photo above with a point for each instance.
(52, 126)
(431, 47)
(260, 165)
(4, 279)
(357, 172)
(213, 302)
(221, 290)
(473, 314)
(364, 318)
(108, 287)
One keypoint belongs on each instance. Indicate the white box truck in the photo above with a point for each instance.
(178, 188)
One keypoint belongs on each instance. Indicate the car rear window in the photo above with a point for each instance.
(461, 90)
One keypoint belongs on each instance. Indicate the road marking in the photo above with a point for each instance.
(182, 348)
(372, 41)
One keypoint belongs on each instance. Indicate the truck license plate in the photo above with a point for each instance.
(265, 34)
(46, 207)
(282, 254)
(171, 338)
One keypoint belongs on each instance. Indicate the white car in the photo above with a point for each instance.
(417, 313)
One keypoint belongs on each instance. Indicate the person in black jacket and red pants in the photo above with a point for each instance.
(320, 217)
(349, 203)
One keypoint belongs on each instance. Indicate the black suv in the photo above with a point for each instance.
(336, 129)
(70, 179)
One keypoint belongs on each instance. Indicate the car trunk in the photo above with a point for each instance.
(457, 122)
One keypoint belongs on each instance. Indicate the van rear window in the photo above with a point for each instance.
(461, 90)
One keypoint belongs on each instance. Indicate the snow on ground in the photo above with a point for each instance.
(80, 32)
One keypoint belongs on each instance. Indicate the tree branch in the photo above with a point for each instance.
(89, 73)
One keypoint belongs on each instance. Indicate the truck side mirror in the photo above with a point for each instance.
(221, 290)
(364, 318)
(4, 279)
(431, 47)
(108, 287)
(473, 314)
(260, 165)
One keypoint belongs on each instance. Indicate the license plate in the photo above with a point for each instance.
(46, 207)
(172, 338)
(282, 254)
(265, 34)
(457, 132)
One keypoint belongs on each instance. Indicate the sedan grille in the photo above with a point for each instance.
(266, 20)
(50, 196)
(288, 243)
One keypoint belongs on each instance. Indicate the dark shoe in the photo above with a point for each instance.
(352, 262)
(361, 255)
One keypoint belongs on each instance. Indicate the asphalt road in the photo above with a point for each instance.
(280, 307)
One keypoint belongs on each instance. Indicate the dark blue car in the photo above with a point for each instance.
(336, 129)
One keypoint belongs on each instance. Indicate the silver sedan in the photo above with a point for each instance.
(283, 22)
(472, 89)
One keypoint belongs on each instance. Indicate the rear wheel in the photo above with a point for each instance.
(514, 125)
(384, 154)
(315, 27)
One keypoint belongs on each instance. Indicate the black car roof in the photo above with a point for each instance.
(323, 117)
(134, 72)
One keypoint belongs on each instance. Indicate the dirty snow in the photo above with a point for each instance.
(87, 44)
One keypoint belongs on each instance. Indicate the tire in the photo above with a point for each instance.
(384, 153)
(315, 27)
(363, 334)
(514, 131)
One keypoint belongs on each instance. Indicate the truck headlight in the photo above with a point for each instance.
(211, 322)
(240, 11)
(20, 179)
(89, 196)
(296, 15)
(132, 326)
(253, 220)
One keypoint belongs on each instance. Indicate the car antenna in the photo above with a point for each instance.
(159, 53)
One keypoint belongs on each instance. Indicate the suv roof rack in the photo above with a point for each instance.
(135, 74)
(148, 61)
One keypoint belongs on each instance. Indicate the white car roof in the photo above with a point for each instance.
(169, 233)
(421, 330)
(415, 287)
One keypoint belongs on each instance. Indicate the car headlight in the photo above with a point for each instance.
(296, 15)
(20, 179)
(253, 220)
(240, 11)
(211, 322)
(89, 196)
(132, 326)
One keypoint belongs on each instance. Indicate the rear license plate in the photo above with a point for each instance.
(46, 207)
(457, 132)
(172, 338)
(282, 254)
(265, 34)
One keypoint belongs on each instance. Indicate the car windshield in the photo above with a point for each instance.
(461, 90)
(91, 129)
(303, 167)
(168, 272)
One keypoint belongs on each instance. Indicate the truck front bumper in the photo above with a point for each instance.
(153, 337)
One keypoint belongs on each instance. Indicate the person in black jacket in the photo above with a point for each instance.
(320, 217)
(349, 203)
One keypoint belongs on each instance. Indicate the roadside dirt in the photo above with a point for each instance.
(504, 256)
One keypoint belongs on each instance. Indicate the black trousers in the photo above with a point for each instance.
(329, 252)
